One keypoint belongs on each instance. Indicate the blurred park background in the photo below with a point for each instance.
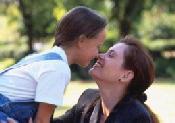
(28, 26)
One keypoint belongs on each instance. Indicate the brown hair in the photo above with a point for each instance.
(140, 62)
(137, 59)
(78, 21)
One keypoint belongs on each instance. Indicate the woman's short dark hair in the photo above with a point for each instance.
(137, 59)
(78, 21)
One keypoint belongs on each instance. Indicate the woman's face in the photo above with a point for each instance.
(109, 65)
(90, 48)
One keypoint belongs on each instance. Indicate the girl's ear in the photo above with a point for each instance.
(81, 41)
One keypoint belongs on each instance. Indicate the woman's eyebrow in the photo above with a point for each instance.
(111, 51)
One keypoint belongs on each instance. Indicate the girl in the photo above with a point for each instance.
(35, 86)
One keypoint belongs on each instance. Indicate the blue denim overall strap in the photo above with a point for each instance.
(35, 58)
(22, 111)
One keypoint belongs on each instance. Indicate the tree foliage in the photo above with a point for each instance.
(126, 13)
(38, 19)
(149, 19)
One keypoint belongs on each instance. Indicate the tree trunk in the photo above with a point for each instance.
(27, 19)
(124, 27)
(30, 34)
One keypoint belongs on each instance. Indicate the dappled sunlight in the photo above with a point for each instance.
(6, 62)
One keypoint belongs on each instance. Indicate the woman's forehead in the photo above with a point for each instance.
(118, 47)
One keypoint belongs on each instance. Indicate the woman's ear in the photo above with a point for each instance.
(127, 76)
(130, 75)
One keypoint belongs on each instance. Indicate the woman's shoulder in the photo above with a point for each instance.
(134, 109)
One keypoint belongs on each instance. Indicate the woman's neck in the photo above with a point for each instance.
(110, 96)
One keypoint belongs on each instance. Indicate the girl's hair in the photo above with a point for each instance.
(137, 59)
(78, 21)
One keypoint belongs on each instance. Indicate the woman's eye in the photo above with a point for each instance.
(110, 54)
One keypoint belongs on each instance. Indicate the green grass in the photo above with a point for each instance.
(161, 98)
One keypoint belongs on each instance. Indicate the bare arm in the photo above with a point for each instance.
(44, 113)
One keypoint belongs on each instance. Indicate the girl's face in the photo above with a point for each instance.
(90, 48)
(109, 66)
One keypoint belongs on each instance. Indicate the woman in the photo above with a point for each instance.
(35, 86)
(122, 74)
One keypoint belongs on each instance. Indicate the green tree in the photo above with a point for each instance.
(94, 4)
(126, 13)
(38, 19)
(165, 5)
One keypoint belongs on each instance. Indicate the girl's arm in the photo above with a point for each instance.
(44, 113)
